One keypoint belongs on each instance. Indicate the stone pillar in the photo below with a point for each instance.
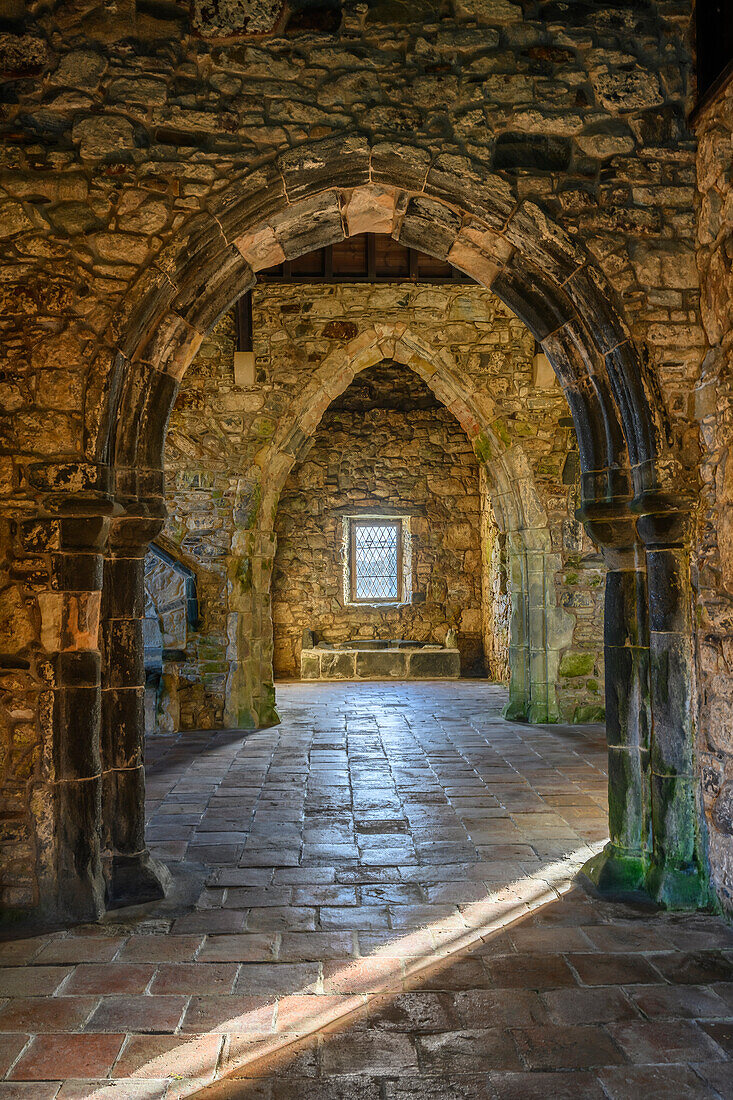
(73, 887)
(132, 876)
(539, 702)
(622, 866)
(677, 877)
(250, 693)
(536, 634)
(167, 704)
(517, 709)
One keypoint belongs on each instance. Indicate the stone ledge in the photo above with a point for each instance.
(380, 664)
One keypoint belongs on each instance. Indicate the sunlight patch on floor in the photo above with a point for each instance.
(302, 1015)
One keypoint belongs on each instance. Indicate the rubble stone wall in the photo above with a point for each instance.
(713, 573)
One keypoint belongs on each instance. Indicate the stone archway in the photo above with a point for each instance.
(520, 515)
(314, 196)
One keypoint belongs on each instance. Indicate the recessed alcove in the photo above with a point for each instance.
(386, 447)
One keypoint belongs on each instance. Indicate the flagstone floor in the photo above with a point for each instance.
(383, 909)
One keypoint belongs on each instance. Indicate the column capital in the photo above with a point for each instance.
(610, 523)
(663, 521)
(132, 531)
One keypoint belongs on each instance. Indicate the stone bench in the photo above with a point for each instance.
(398, 662)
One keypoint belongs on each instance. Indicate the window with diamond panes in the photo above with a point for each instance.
(376, 561)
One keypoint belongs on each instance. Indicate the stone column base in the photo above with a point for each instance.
(135, 880)
(680, 887)
(515, 710)
(617, 871)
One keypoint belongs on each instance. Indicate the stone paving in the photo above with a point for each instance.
(388, 912)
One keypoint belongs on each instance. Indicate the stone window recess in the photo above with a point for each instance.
(377, 556)
(171, 607)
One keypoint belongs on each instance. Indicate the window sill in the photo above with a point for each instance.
(377, 605)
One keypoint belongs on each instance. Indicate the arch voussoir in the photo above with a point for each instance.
(544, 243)
(341, 161)
(314, 222)
(249, 200)
(453, 181)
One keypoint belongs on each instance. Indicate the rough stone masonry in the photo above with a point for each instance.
(217, 429)
(155, 157)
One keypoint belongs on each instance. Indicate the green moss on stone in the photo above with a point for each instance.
(615, 872)
(588, 714)
(254, 507)
(263, 428)
(242, 574)
(482, 448)
(576, 664)
(502, 431)
(266, 711)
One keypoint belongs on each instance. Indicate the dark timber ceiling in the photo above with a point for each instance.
(366, 258)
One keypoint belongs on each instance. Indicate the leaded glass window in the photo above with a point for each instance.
(375, 553)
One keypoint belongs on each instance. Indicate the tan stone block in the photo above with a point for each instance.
(60, 389)
(488, 11)
(66, 187)
(366, 358)
(13, 219)
(370, 209)
(460, 536)
(120, 246)
(16, 623)
(6, 474)
(261, 249)
(69, 621)
(468, 257)
(103, 137)
(11, 397)
(135, 215)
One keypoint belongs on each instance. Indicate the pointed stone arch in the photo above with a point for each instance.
(519, 512)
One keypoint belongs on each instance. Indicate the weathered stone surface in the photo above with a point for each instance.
(310, 666)
(336, 665)
(228, 17)
(381, 664)
(714, 551)
(433, 664)
(577, 664)
(21, 55)
(606, 144)
(403, 103)
(623, 86)
(103, 138)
